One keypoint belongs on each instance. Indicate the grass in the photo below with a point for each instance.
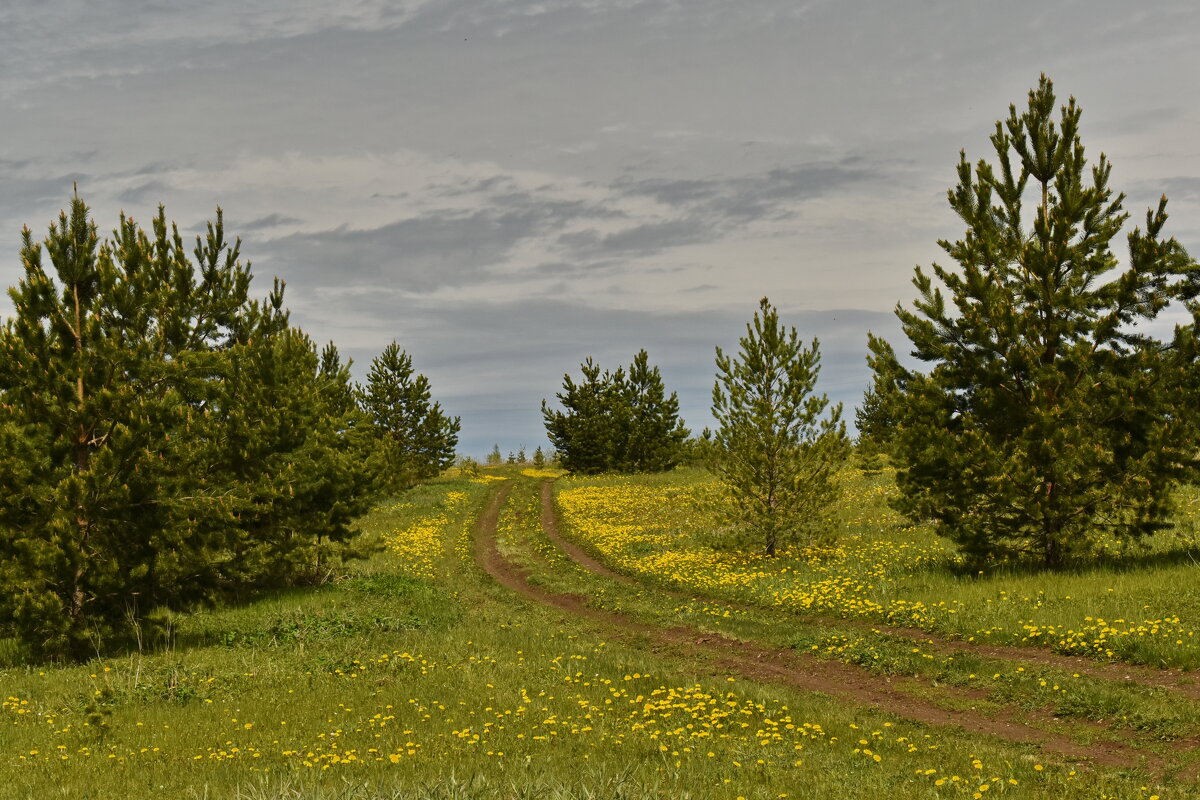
(1114, 606)
(415, 676)
(1046, 692)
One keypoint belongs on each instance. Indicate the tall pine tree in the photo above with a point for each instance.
(592, 419)
(129, 435)
(655, 432)
(1046, 416)
(774, 450)
(876, 417)
(417, 437)
(621, 421)
(294, 461)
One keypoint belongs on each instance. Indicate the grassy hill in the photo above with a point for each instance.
(640, 656)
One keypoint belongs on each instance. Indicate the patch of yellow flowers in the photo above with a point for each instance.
(560, 706)
(420, 546)
(658, 530)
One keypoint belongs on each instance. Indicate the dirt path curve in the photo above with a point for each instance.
(1173, 680)
(798, 670)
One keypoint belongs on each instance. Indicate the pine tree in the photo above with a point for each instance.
(104, 360)
(620, 421)
(418, 438)
(1045, 417)
(584, 432)
(495, 458)
(298, 463)
(655, 432)
(774, 451)
(123, 462)
(877, 417)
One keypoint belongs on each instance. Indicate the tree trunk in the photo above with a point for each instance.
(82, 436)
(1053, 550)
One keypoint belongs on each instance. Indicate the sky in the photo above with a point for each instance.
(507, 187)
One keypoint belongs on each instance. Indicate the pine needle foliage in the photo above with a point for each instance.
(164, 439)
(417, 439)
(775, 450)
(622, 421)
(1047, 418)
(583, 432)
(875, 418)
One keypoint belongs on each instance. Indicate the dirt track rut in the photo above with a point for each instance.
(757, 662)
(1173, 680)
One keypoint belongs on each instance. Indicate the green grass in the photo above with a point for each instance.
(416, 676)
(1140, 606)
(1133, 712)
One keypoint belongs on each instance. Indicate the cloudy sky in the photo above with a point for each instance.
(506, 186)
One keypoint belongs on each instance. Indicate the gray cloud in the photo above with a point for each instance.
(449, 248)
(465, 186)
(126, 37)
(772, 194)
(647, 238)
(437, 249)
(144, 193)
(418, 254)
(269, 221)
(21, 195)
(1181, 188)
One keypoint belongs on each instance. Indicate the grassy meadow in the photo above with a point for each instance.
(414, 674)
(1139, 605)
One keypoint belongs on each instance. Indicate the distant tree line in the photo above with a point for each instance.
(166, 441)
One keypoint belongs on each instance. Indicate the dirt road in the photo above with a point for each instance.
(758, 662)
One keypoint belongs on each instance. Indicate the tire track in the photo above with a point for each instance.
(1173, 680)
(797, 670)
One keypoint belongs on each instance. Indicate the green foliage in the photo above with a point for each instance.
(773, 450)
(416, 436)
(697, 451)
(619, 421)
(876, 418)
(163, 439)
(495, 458)
(655, 433)
(583, 432)
(539, 458)
(1046, 419)
(297, 457)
